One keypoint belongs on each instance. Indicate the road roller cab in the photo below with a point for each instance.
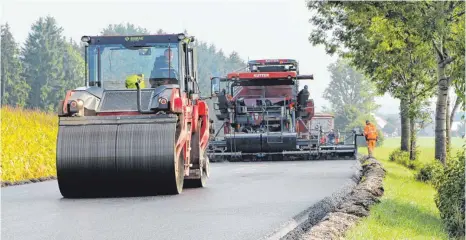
(138, 126)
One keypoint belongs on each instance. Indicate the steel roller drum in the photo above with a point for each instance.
(118, 156)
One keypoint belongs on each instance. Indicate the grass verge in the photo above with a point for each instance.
(407, 209)
(28, 140)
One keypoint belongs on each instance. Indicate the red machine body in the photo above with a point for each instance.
(118, 140)
(265, 102)
(266, 116)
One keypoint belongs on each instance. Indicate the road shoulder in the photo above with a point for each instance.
(334, 215)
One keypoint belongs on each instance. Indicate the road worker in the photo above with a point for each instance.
(303, 96)
(164, 71)
(331, 137)
(370, 133)
(131, 80)
(165, 61)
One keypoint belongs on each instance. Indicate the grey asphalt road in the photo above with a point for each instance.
(242, 201)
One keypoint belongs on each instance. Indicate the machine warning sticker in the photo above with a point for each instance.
(134, 39)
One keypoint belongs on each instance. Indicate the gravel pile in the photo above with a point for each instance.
(33, 180)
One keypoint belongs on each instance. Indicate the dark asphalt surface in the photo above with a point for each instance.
(242, 201)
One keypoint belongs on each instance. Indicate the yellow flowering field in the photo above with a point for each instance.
(28, 141)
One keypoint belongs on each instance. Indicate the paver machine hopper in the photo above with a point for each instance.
(138, 127)
(266, 117)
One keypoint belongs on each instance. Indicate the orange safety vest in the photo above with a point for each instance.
(370, 132)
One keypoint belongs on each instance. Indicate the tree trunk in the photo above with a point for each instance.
(448, 124)
(453, 111)
(412, 139)
(404, 125)
(440, 114)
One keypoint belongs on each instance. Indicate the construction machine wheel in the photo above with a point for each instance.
(119, 156)
(199, 160)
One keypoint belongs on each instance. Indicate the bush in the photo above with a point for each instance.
(430, 172)
(450, 196)
(396, 155)
(28, 144)
(402, 157)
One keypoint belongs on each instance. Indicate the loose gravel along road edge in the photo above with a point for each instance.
(28, 181)
(331, 217)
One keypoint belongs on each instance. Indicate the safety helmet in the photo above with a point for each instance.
(131, 81)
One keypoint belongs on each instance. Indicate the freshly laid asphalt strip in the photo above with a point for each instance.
(242, 201)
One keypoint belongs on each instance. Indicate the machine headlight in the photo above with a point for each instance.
(85, 39)
(76, 107)
(163, 100)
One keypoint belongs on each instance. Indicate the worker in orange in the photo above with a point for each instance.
(370, 132)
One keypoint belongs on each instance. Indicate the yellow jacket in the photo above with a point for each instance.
(132, 79)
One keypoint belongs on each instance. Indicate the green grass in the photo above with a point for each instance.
(426, 147)
(422, 142)
(407, 209)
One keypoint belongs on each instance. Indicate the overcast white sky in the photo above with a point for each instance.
(254, 28)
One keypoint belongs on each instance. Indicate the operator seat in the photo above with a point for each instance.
(163, 76)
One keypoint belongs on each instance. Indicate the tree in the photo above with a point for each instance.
(458, 76)
(235, 62)
(442, 25)
(349, 94)
(214, 63)
(380, 40)
(14, 89)
(42, 57)
(389, 128)
(124, 29)
(73, 65)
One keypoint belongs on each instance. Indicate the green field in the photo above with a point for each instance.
(426, 148)
(407, 209)
(426, 143)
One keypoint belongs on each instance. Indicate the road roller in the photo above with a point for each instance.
(266, 117)
(138, 127)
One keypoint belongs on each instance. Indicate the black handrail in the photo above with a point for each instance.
(139, 100)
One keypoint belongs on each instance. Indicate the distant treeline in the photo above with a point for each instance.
(37, 73)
